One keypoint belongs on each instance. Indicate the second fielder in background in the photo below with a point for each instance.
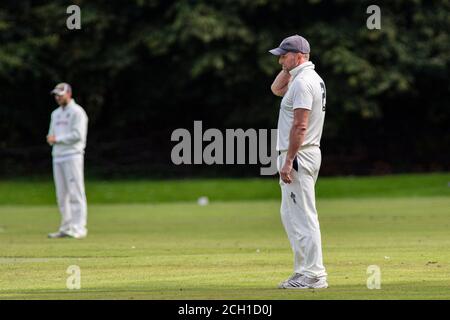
(67, 135)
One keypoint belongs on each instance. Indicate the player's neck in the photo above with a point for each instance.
(64, 106)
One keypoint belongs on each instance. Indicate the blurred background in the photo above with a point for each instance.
(143, 68)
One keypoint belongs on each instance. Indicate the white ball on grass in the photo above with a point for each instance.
(203, 201)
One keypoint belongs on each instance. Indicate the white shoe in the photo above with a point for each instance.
(61, 234)
(58, 234)
(77, 235)
(306, 283)
(294, 276)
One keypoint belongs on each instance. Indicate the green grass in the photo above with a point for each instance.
(40, 192)
(229, 250)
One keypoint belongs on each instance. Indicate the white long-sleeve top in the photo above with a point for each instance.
(69, 126)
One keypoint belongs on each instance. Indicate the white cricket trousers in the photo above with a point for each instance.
(70, 193)
(299, 214)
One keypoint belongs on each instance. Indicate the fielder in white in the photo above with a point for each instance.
(67, 135)
(300, 124)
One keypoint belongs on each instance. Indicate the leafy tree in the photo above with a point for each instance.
(142, 68)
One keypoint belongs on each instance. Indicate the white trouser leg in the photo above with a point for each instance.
(289, 228)
(62, 197)
(299, 214)
(74, 171)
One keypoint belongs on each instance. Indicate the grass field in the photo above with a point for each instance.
(161, 245)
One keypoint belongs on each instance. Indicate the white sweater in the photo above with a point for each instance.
(69, 126)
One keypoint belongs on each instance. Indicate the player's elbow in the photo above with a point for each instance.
(276, 91)
(300, 126)
(75, 137)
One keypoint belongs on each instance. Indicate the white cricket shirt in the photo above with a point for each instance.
(306, 90)
(69, 126)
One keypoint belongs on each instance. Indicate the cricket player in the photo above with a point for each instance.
(67, 135)
(300, 124)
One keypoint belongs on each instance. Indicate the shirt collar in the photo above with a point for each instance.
(71, 103)
(298, 69)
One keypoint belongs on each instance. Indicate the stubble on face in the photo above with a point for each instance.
(288, 61)
(62, 100)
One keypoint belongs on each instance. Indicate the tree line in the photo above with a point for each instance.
(143, 68)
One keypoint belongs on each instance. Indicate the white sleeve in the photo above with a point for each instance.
(77, 132)
(302, 95)
(51, 130)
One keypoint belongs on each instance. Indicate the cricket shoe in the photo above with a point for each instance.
(59, 234)
(294, 276)
(306, 283)
(77, 235)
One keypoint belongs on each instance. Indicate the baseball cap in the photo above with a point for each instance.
(293, 43)
(61, 89)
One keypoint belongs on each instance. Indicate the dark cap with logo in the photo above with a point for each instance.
(293, 43)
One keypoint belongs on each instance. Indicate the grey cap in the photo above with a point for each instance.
(293, 43)
(61, 89)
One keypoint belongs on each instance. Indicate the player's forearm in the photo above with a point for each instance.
(69, 138)
(281, 82)
(296, 138)
(75, 135)
(297, 133)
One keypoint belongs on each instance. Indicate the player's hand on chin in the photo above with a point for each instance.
(285, 172)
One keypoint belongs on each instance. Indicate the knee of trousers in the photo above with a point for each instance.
(61, 204)
(61, 199)
(76, 198)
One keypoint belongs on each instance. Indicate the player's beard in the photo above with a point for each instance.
(64, 102)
